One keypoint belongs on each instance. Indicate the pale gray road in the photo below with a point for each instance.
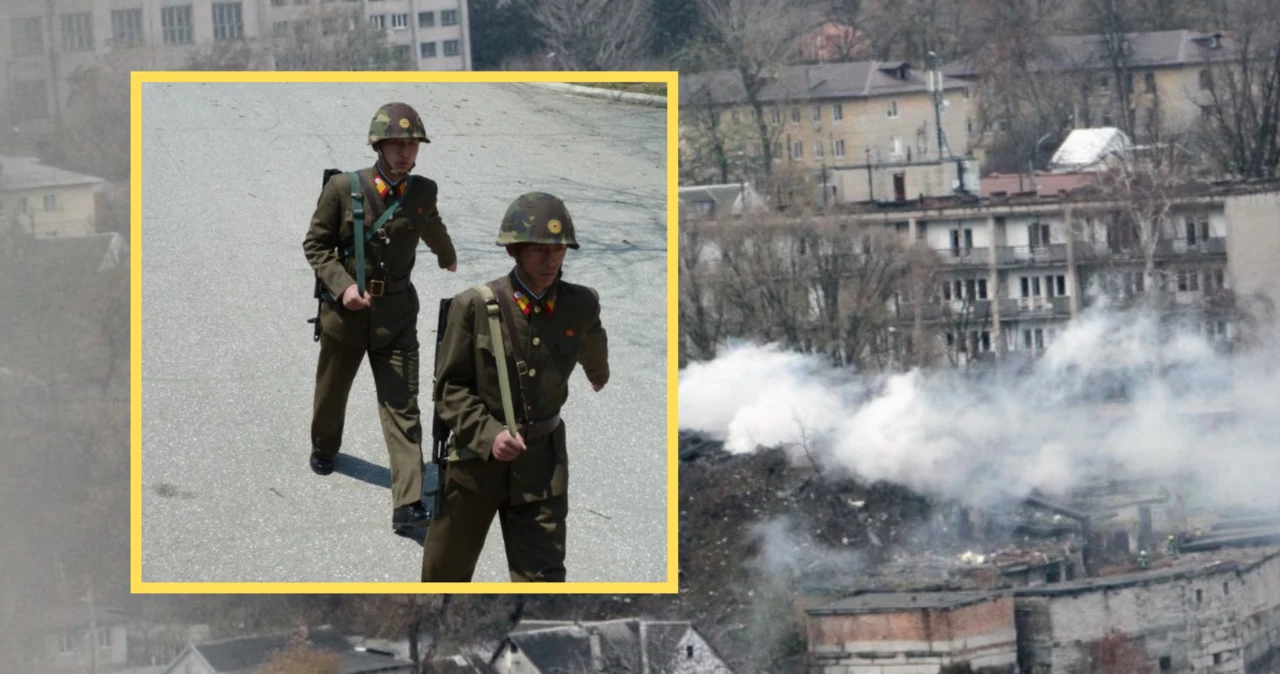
(231, 173)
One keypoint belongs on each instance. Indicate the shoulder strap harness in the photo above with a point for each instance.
(362, 236)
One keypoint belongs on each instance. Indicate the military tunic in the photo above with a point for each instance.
(387, 330)
(528, 494)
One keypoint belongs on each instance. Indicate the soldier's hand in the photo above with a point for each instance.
(453, 267)
(352, 300)
(597, 387)
(507, 448)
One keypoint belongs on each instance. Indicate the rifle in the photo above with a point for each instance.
(320, 293)
(439, 429)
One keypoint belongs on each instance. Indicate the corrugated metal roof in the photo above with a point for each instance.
(794, 84)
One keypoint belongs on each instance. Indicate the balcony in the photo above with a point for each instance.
(1165, 249)
(1035, 307)
(964, 257)
(1027, 256)
(973, 313)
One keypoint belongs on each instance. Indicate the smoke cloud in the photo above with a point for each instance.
(1194, 418)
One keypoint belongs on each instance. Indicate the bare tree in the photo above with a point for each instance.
(702, 299)
(753, 37)
(595, 34)
(299, 657)
(1114, 21)
(1240, 121)
(1141, 190)
(908, 30)
(336, 38)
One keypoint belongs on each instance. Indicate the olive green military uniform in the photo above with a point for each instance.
(387, 330)
(529, 494)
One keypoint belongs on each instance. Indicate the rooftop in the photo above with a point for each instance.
(1149, 50)
(830, 81)
(895, 602)
(25, 173)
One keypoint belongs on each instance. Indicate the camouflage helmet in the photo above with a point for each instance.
(396, 120)
(537, 217)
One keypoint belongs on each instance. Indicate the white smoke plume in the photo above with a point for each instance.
(1210, 424)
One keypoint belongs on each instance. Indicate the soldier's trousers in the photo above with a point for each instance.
(532, 533)
(395, 374)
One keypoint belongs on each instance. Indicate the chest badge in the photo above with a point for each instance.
(568, 333)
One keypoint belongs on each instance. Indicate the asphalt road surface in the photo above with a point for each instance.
(231, 174)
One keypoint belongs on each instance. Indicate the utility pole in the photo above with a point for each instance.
(935, 88)
(871, 190)
(93, 631)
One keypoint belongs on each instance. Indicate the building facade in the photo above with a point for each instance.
(836, 122)
(913, 633)
(43, 42)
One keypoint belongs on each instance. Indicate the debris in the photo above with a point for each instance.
(277, 493)
(599, 513)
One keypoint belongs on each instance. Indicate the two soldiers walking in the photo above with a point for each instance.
(503, 363)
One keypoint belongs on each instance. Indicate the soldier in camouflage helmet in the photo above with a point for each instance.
(380, 320)
(550, 327)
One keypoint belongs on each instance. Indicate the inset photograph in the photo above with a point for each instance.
(406, 332)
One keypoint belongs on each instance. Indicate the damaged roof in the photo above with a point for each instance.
(242, 655)
(554, 646)
(896, 602)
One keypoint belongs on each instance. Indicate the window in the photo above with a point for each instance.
(399, 21)
(897, 146)
(1217, 658)
(28, 36)
(428, 50)
(971, 289)
(893, 110)
(400, 52)
(329, 25)
(448, 17)
(1038, 235)
(982, 289)
(837, 148)
(426, 19)
(797, 150)
(1206, 79)
(1039, 335)
(816, 114)
(1226, 588)
(66, 642)
(734, 118)
(450, 47)
(277, 3)
(795, 115)
(280, 28)
(688, 651)
(1149, 82)
(50, 203)
(126, 27)
(1166, 663)
(227, 21)
(176, 24)
(837, 112)
(378, 21)
(1199, 596)
(817, 149)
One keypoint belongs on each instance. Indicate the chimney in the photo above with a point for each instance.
(597, 660)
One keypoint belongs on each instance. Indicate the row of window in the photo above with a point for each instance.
(23, 205)
(1055, 285)
(815, 112)
(400, 21)
(76, 32)
(1038, 339)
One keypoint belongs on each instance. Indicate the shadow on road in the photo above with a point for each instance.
(379, 476)
(358, 468)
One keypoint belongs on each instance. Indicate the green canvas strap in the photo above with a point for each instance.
(363, 236)
(499, 353)
(357, 215)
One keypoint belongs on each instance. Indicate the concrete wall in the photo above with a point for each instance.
(1253, 243)
(1216, 622)
(915, 642)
